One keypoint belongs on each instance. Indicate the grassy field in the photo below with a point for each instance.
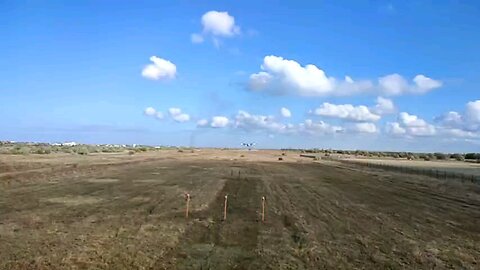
(121, 211)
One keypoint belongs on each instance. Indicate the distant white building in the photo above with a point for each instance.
(69, 144)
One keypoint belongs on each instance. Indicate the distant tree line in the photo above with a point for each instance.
(80, 149)
(391, 154)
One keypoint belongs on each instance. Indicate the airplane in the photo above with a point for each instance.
(248, 145)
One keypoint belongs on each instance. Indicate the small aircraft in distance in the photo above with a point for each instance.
(248, 145)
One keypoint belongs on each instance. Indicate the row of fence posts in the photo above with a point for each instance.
(428, 172)
(225, 206)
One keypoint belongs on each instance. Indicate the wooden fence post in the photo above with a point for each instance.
(187, 198)
(225, 208)
(263, 208)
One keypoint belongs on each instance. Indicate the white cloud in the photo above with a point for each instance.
(149, 111)
(318, 128)
(174, 111)
(395, 129)
(384, 106)
(285, 112)
(411, 125)
(196, 38)
(450, 119)
(460, 133)
(283, 76)
(287, 75)
(202, 123)
(427, 130)
(217, 24)
(219, 121)
(161, 69)
(183, 117)
(462, 125)
(410, 120)
(249, 122)
(178, 116)
(346, 112)
(424, 84)
(472, 112)
(362, 128)
(395, 84)
(259, 81)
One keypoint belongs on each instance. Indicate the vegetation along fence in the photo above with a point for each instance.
(436, 173)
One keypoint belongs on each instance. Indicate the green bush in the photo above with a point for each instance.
(472, 156)
(458, 157)
(82, 150)
(440, 156)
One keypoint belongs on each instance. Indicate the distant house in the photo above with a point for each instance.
(69, 144)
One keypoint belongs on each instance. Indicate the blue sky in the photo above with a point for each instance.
(222, 70)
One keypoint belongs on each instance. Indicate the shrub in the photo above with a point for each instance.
(43, 150)
(472, 156)
(82, 150)
(131, 152)
(440, 156)
(21, 150)
(458, 157)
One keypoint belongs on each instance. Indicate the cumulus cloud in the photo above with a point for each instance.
(347, 112)
(202, 123)
(177, 115)
(160, 69)
(459, 133)
(362, 128)
(411, 125)
(284, 76)
(251, 122)
(472, 112)
(466, 124)
(217, 24)
(219, 121)
(395, 129)
(318, 128)
(285, 112)
(450, 119)
(149, 111)
(384, 106)
(395, 84)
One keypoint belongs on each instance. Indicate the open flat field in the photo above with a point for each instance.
(120, 211)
